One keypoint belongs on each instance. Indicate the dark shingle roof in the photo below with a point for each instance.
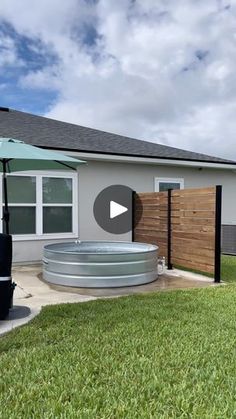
(49, 133)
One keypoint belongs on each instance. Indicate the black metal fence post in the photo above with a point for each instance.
(169, 264)
(6, 284)
(133, 214)
(218, 207)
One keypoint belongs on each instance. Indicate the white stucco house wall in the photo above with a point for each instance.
(47, 207)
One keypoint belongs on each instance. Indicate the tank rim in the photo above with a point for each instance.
(153, 248)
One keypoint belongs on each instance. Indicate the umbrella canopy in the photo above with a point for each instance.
(19, 156)
(15, 156)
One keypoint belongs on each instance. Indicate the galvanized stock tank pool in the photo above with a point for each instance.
(98, 264)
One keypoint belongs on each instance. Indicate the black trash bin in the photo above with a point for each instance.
(6, 284)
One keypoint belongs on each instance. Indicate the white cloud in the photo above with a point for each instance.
(159, 70)
(8, 52)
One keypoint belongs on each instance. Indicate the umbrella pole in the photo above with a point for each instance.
(6, 215)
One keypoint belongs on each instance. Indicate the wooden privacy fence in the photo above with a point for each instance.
(185, 224)
(151, 211)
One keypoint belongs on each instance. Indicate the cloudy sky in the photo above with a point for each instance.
(159, 70)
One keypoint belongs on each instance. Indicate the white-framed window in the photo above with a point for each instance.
(163, 183)
(42, 205)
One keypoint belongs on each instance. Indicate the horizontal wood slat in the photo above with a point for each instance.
(193, 191)
(191, 243)
(191, 256)
(193, 206)
(197, 251)
(199, 213)
(192, 221)
(193, 265)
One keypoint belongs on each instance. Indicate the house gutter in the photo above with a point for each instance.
(146, 160)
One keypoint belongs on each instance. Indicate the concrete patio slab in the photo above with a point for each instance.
(170, 280)
(32, 293)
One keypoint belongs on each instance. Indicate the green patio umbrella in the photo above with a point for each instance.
(15, 156)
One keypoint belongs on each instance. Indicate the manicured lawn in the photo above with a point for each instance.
(164, 355)
(228, 269)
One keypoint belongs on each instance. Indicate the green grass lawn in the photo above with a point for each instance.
(163, 355)
(228, 268)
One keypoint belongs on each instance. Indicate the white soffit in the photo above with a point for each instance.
(147, 160)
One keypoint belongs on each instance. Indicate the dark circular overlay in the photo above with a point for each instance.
(115, 196)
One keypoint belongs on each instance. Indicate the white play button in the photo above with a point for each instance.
(116, 209)
(113, 209)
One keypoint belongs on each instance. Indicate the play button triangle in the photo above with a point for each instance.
(116, 209)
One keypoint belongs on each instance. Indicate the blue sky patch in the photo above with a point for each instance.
(15, 97)
(34, 56)
(31, 51)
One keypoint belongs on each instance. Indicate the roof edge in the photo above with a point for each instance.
(128, 138)
(227, 163)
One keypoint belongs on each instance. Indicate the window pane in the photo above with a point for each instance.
(57, 190)
(22, 220)
(57, 219)
(164, 186)
(21, 189)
